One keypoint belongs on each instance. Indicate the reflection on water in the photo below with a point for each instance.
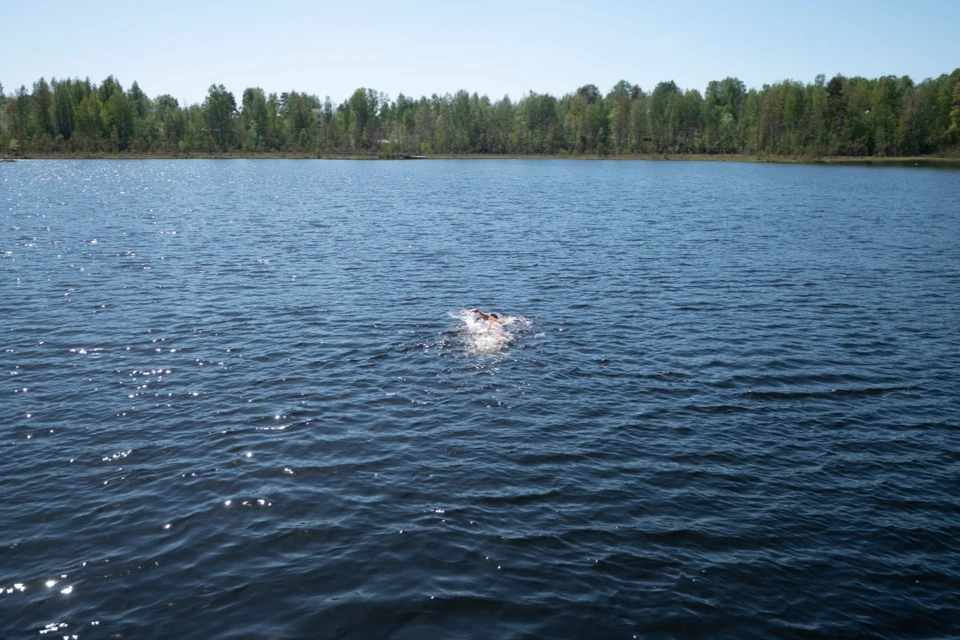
(235, 403)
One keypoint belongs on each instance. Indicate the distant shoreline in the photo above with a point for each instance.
(927, 161)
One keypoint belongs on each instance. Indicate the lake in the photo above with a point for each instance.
(241, 400)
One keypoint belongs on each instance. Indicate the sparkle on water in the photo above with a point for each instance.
(240, 400)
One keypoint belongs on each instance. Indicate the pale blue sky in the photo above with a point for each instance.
(493, 47)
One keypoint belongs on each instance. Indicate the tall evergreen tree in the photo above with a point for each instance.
(140, 100)
(42, 101)
(63, 108)
(120, 120)
(109, 87)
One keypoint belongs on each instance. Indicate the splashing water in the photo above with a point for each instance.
(481, 338)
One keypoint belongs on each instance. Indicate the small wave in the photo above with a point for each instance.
(826, 393)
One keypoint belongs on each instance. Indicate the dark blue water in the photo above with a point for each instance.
(235, 402)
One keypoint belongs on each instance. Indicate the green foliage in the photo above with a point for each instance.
(63, 108)
(664, 116)
(253, 119)
(88, 117)
(219, 109)
(845, 116)
(3, 116)
(140, 101)
(119, 120)
(590, 93)
(171, 123)
(955, 111)
(109, 87)
(42, 101)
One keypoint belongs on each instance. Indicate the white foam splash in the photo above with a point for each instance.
(480, 337)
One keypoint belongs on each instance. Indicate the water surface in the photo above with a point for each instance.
(239, 400)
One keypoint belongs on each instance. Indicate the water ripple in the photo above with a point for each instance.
(239, 400)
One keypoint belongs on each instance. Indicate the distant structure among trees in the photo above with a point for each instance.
(886, 116)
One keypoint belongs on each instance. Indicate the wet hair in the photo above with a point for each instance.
(495, 315)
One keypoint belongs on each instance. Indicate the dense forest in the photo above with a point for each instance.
(886, 116)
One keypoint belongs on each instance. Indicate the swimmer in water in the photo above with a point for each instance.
(491, 318)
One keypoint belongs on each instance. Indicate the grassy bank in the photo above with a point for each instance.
(939, 161)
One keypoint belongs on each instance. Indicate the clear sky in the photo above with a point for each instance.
(421, 47)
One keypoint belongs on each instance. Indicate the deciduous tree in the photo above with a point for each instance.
(219, 108)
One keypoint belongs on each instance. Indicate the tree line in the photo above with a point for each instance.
(886, 116)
